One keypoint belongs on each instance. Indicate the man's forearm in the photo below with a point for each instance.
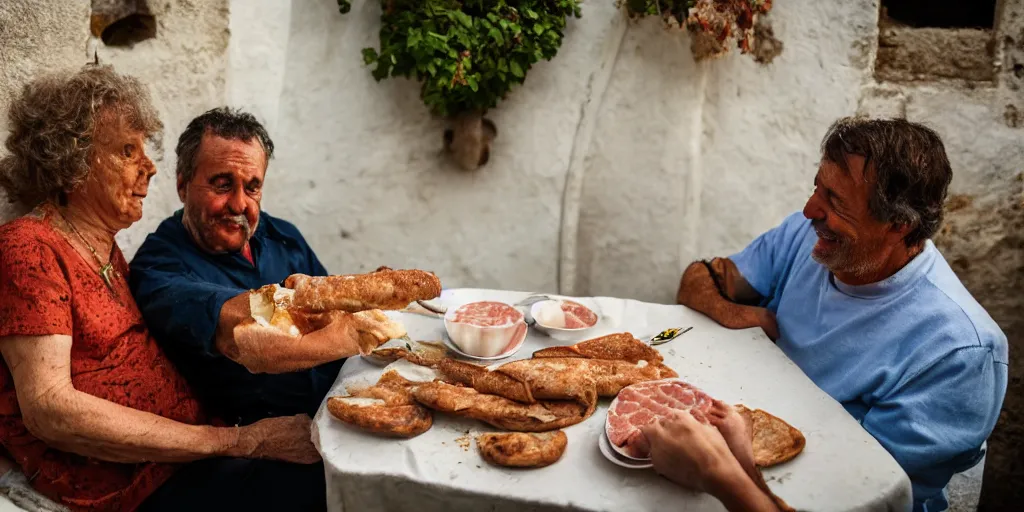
(697, 290)
(80, 423)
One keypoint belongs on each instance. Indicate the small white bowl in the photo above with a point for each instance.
(546, 313)
(483, 340)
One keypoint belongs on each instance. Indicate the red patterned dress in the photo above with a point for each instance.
(47, 287)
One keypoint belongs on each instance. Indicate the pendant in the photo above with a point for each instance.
(105, 274)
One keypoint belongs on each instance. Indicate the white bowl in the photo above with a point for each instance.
(547, 319)
(517, 343)
(484, 340)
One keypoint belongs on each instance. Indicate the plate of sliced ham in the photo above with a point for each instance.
(611, 454)
(645, 403)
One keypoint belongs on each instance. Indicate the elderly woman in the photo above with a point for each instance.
(90, 408)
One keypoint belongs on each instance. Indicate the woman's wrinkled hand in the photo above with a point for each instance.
(284, 438)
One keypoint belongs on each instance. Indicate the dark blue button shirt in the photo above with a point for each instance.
(180, 290)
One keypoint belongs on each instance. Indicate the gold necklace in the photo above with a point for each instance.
(106, 270)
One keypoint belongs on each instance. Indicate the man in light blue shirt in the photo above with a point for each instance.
(857, 295)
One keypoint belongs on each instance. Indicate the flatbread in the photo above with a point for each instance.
(619, 347)
(373, 415)
(498, 411)
(775, 441)
(522, 450)
(567, 378)
(386, 409)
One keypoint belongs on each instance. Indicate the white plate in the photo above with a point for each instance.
(609, 453)
(455, 348)
(618, 450)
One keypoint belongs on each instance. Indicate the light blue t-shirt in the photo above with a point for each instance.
(914, 358)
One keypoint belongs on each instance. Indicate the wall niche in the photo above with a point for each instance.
(934, 40)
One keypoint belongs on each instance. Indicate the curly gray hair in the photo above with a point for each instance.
(52, 123)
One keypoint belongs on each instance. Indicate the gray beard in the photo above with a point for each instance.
(840, 262)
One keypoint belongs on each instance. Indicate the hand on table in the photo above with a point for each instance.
(709, 454)
(769, 324)
(284, 438)
(691, 452)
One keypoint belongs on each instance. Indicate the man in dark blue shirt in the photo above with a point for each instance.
(192, 277)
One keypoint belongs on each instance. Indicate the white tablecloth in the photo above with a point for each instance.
(842, 467)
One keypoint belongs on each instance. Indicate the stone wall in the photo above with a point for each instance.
(982, 233)
(37, 36)
(185, 67)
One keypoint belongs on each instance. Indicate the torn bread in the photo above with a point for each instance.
(522, 450)
(387, 408)
(273, 316)
(531, 380)
(424, 353)
(375, 416)
(775, 441)
(383, 289)
(499, 411)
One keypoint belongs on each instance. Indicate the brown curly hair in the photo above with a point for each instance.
(52, 123)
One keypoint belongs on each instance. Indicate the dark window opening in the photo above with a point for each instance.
(129, 30)
(929, 40)
(941, 13)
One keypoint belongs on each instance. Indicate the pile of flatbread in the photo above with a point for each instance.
(531, 399)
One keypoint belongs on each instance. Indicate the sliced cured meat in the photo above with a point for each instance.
(642, 404)
(487, 314)
(577, 316)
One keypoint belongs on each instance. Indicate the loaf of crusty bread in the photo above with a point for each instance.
(383, 289)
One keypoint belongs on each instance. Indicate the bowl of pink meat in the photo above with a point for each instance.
(485, 329)
(563, 320)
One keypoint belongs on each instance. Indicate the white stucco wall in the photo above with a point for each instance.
(616, 164)
(185, 67)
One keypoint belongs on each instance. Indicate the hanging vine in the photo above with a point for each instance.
(467, 55)
(712, 24)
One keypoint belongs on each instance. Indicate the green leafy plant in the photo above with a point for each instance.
(468, 55)
(711, 23)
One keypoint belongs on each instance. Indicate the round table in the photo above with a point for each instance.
(841, 468)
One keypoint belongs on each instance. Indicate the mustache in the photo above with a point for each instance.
(824, 232)
(241, 220)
